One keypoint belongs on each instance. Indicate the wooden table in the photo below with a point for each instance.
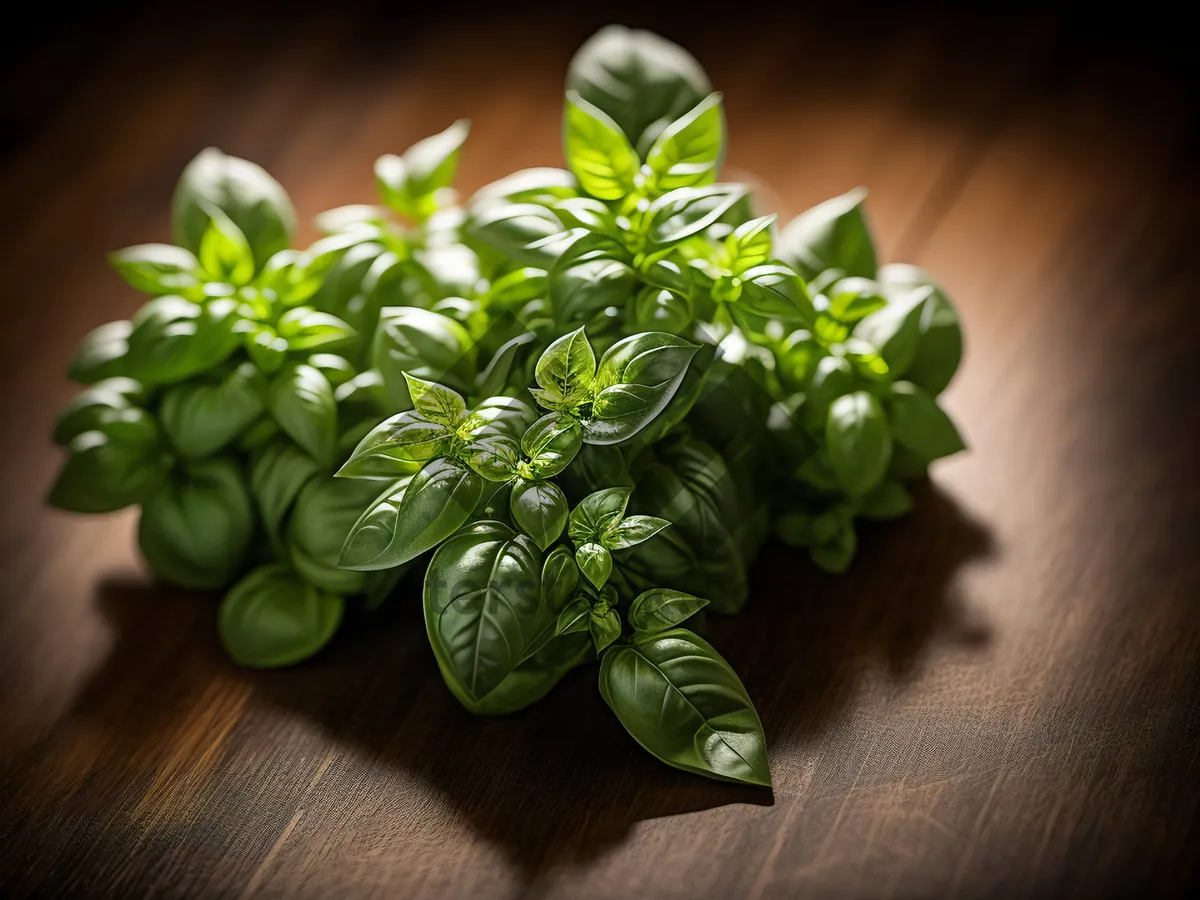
(1000, 699)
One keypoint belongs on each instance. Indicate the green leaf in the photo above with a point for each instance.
(567, 368)
(684, 212)
(859, 442)
(684, 704)
(200, 419)
(436, 503)
(88, 409)
(604, 625)
(889, 500)
(494, 457)
(504, 368)
(595, 563)
(919, 424)
(325, 511)
(636, 379)
(247, 195)
(423, 344)
(301, 402)
(587, 213)
(517, 230)
(597, 513)
(551, 443)
(895, 330)
(174, 339)
(336, 368)
(852, 299)
(590, 276)
(540, 509)
(574, 617)
(834, 376)
(689, 151)
(749, 244)
(272, 618)
(396, 446)
(307, 329)
(277, 474)
(101, 354)
(543, 186)
(661, 608)
(120, 461)
(597, 152)
(632, 531)
(438, 404)
(831, 235)
(225, 254)
(774, 292)
(835, 555)
(407, 183)
(639, 79)
(197, 529)
(485, 608)
(518, 286)
(157, 268)
(940, 345)
(266, 349)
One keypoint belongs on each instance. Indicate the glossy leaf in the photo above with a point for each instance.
(551, 443)
(397, 446)
(567, 368)
(121, 461)
(684, 212)
(224, 253)
(750, 244)
(88, 409)
(920, 424)
(277, 474)
(272, 618)
(423, 344)
(308, 329)
(158, 268)
(101, 354)
(940, 345)
(301, 401)
(831, 235)
(595, 563)
(325, 511)
(632, 531)
(895, 330)
(661, 609)
(173, 339)
(539, 508)
(597, 152)
(201, 419)
(774, 292)
(635, 380)
(683, 703)
(604, 625)
(859, 442)
(689, 151)
(597, 513)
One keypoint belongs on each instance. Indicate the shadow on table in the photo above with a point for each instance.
(560, 782)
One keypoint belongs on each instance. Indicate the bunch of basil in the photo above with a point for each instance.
(604, 387)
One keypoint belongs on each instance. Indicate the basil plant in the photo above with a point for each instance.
(578, 403)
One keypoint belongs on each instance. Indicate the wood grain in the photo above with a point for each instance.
(1000, 699)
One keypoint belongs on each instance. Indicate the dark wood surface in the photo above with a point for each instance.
(1000, 699)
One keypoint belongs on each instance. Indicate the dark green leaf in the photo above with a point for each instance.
(661, 608)
(604, 625)
(121, 461)
(551, 443)
(88, 409)
(774, 292)
(567, 368)
(895, 330)
(632, 531)
(597, 513)
(101, 354)
(201, 419)
(307, 329)
(272, 618)
(859, 442)
(397, 446)
(539, 508)
(301, 402)
(595, 563)
(831, 235)
(424, 344)
(889, 500)
(635, 380)
(939, 348)
(920, 424)
(278, 473)
(325, 511)
(174, 339)
(683, 703)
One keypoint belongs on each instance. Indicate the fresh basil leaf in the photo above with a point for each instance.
(684, 212)
(504, 368)
(836, 554)
(516, 230)
(423, 344)
(534, 678)
(101, 354)
(272, 618)
(749, 244)
(519, 286)
(544, 186)
(637, 78)
(438, 404)
(244, 192)
(336, 368)
(197, 529)
(307, 329)
(551, 443)
(354, 216)
(225, 254)
(200, 419)
(689, 151)
(120, 461)
(859, 442)
(574, 617)
(325, 511)
(833, 377)
(567, 368)
(266, 349)
(301, 401)
(852, 299)
(88, 409)
(587, 213)
(595, 563)
(920, 424)
(365, 392)
(635, 380)
(590, 276)
(277, 474)
(396, 447)
(407, 183)
(895, 330)
(831, 235)
(661, 609)
(889, 500)
(174, 339)
(597, 513)
(604, 625)
(539, 508)
(437, 502)
(484, 606)
(157, 268)
(683, 703)
(940, 345)
(631, 531)
(774, 292)
(597, 152)
(661, 310)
